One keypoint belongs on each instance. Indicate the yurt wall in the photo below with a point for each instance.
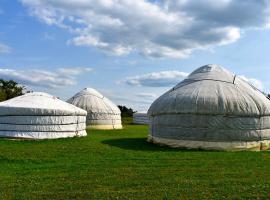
(140, 118)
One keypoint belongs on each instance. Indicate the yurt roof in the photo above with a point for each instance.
(212, 90)
(38, 103)
(92, 101)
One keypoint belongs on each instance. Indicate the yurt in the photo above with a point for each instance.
(211, 109)
(101, 112)
(140, 118)
(40, 116)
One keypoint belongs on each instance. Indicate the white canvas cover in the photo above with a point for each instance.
(39, 115)
(101, 112)
(140, 118)
(211, 109)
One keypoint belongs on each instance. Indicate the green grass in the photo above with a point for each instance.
(120, 164)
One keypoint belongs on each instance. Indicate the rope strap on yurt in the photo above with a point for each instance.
(77, 132)
(77, 126)
(234, 78)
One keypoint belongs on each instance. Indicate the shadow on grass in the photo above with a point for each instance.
(140, 144)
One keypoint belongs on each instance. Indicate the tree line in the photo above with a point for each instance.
(126, 112)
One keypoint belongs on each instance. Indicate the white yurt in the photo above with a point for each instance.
(101, 112)
(140, 118)
(39, 115)
(211, 109)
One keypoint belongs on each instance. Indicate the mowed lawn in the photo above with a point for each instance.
(120, 164)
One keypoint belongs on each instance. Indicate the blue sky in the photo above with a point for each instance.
(131, 51)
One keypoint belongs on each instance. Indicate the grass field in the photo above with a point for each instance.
(120, 164)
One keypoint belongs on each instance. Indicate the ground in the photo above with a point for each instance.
(120, 164)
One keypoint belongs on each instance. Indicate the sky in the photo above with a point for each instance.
(130, 51)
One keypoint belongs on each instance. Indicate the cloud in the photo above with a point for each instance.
(137, 103)
(157, 79)
(147, 95)
(165, 28)
(74, 70)
(42, 78)
(4, 48)
(255, 82)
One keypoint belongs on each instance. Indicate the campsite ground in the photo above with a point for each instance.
(120, 164)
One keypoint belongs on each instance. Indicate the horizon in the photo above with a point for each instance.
(61, 47)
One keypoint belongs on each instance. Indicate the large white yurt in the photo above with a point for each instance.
(39, 115)
(211, 109)
(140, 118)
(101, 112)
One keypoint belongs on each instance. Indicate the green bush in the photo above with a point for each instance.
(10, 89)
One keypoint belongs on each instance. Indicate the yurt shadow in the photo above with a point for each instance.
(140, 144)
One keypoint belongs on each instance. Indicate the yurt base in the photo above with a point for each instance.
(40, 135)
(263, 145)
(105, 127)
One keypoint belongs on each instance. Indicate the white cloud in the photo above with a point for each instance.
(4, 48)
(134, 101)
(43, 78)
(146, 95)
(157, 79)
(255, 82)
(74, 70)
(165, 28)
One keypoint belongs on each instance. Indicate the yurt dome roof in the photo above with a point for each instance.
(212, 90)
(38, 103)
(90, 91)
(92, 101)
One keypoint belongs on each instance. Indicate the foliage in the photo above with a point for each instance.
(127, 120)
(120, 164)
(126, 112)
(10, 89)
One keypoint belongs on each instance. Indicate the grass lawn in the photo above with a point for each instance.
(120, 164)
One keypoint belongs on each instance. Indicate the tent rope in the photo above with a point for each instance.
(234, 78)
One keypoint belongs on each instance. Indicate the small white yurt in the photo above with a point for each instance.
(39, 115)
(211, 109)
(101, 112)
(140, 118)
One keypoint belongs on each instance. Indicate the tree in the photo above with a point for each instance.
(126, 112)
(10, 89)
